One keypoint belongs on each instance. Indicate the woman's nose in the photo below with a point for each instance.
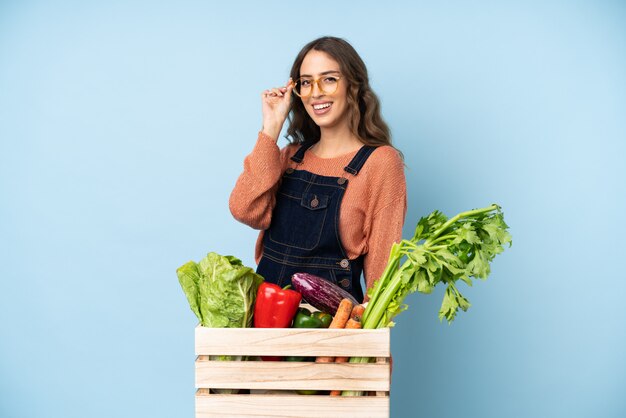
(319, 93)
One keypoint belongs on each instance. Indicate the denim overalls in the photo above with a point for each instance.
(304, 233)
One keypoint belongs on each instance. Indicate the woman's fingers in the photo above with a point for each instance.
(277, 98)
(272, 92)
(279, 91)
(288, 87)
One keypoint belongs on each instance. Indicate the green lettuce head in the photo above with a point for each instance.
(220, 290)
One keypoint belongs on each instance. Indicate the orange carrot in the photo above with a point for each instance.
(357, 312)
(343, 314)
(339, 321)
(351, 324)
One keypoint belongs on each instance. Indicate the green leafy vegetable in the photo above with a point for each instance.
(220, 290)
(444, 251)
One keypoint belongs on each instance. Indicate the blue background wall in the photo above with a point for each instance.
(123, 127)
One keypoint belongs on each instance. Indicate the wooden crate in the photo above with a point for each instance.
(289, 376)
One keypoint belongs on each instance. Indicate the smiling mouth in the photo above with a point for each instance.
(320, 109)
(322, 106)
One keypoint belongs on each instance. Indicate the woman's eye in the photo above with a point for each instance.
(305, 82)
(330, 80)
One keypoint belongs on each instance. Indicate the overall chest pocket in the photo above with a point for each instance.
(299, 222)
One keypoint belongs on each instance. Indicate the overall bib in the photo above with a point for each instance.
(304, 233)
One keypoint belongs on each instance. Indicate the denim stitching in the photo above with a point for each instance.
(299, 155)
(332, 181)
(357, 162)
(337, 216)
(322, 184)
(331, 260)
(314, 260)
(289, 196)
(366, 153)
(323, 201)
(333, 276)
(290, 263)
(354, 163)
(287, 258)
(319, 236)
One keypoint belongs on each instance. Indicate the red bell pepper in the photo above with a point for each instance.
(275, 308)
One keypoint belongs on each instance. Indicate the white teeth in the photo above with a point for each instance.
(321, 106)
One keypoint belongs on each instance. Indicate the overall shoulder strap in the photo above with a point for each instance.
(359, 159)
(299, 155)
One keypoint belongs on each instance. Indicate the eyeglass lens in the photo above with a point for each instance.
(327, 85)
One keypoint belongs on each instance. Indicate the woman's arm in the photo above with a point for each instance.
(386, 229)
(388, 211)
(252, 200)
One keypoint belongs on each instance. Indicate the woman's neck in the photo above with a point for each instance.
(335, 142)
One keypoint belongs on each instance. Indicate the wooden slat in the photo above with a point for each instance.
(292, 342)
(291, 375)
(290, 406)
(384, 360)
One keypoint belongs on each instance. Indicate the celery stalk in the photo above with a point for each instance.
(442, 250)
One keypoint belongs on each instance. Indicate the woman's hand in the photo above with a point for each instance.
(276, 102)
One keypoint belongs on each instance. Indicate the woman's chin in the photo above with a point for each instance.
(324, 122)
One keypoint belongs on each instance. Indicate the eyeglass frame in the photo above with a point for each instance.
(316, 81)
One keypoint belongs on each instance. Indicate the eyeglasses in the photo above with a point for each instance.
(326, 85)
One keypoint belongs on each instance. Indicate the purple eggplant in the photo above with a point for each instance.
(320, 293)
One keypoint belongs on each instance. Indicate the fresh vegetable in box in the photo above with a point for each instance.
(305, 319)
(220, 290)
(442, 251)
(319, 292)
(275, 308)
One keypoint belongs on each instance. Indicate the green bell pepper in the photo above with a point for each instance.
(303, 320)
(326, 318)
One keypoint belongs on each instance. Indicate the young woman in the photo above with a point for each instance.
(333, 201)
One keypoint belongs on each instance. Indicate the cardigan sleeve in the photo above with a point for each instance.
(388, 213)
(386, 229)
(253, 197)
